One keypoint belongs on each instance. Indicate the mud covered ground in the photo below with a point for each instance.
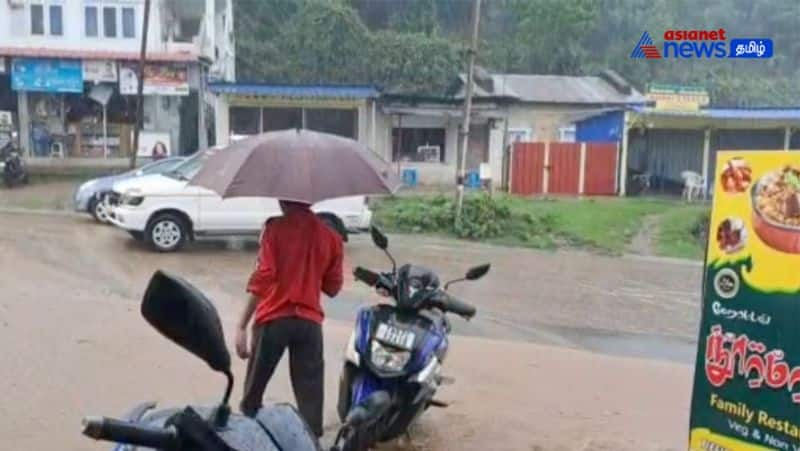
(569, 351)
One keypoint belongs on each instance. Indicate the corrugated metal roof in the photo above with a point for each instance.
(729, 113)
(38, 52)
(303, 91)
(556, 89)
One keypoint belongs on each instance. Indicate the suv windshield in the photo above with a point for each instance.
(188, 168)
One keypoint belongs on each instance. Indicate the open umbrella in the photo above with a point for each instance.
(298, 165)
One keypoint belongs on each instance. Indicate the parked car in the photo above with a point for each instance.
(165, 211)
(92, 196)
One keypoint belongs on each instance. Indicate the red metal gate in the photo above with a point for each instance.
(527, 168)
(601, 169)
(564, 168)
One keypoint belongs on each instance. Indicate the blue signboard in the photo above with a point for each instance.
(46, 75)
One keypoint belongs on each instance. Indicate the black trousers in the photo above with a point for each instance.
(306, 366)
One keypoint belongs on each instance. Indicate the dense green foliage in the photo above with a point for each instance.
(416, 44)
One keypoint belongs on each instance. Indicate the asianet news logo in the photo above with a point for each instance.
(708, 44)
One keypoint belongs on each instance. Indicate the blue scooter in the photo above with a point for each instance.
(394, 357)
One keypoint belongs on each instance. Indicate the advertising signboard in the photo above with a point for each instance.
(747, 376)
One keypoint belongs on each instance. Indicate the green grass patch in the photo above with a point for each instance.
(602, 224)
(682, 232)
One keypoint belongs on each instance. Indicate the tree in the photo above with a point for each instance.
(419, 17)
(415, 44)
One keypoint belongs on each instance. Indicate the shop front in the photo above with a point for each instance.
(250, 109)
(86, 109)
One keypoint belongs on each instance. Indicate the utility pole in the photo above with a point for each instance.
(140, 87)
(462, 156)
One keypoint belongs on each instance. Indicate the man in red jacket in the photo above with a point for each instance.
(299, 257)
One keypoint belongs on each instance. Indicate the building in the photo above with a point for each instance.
(662, 143)
(421, 133)
(506, 108)
(243, 109)
(680, 132)
(68, 73)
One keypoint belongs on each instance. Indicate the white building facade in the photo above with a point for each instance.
(68, 74)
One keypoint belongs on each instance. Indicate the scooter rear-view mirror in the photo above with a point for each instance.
(180, 312)
(379, 238)
(476, 272)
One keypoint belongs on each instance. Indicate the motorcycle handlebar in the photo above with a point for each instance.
(365, 275)
(452, 304)
(110, 429)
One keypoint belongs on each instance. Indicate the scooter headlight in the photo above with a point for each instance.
(387, 358)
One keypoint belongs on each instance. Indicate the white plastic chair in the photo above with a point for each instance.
(57, 150)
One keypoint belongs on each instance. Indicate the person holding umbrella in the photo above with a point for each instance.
(299, 256)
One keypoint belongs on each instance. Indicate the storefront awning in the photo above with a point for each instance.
(295, 91)
(455, 112)
(36, 52)
(718, 118)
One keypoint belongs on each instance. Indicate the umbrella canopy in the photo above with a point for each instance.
(298, 165)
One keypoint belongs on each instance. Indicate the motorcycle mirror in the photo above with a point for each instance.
(180, 312)
(379, 238)
(476, 272)
(382, 243)
(184, 315)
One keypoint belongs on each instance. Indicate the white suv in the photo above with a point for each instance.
(165, 211)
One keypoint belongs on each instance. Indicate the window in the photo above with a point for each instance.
(334, 121)
(162, 166)
(282, 119)
(90, 21)
(567, 134)
(128, 23)
(56, 20)
(37, 19)
(110, 22)
(519, 135)
(418, 144)
(245, 120)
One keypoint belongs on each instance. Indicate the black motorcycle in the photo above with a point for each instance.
(12, 167)
(184, 315)
(394, 358)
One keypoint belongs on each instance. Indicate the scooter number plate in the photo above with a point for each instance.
(395, 336)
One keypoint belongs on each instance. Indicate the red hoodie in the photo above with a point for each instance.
(299, 257)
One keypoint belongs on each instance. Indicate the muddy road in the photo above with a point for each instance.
(73, 341)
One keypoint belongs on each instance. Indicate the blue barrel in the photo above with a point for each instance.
(473, 179)
(409, 177)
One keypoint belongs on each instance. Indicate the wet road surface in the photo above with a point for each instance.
(74, 344)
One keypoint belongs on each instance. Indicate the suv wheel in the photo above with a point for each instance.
(166, 232)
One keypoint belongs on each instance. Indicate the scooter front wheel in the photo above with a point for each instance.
(358, 439)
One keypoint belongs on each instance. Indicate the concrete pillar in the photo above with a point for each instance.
(495, 143)
(623, 165)
(222, 120)
(706, 155)
(202, 131)
(209, 19)
(361, 131)
(787, 137)
(24, 123)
